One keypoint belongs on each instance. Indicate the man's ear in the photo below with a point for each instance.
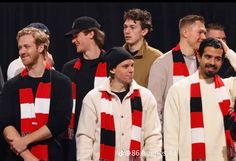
(41, 48)
(144, 32)
(112, 71)
(91, 34)
(185, 32)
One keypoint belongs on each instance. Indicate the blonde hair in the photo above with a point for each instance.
(40, 37)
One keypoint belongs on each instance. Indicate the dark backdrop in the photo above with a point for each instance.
(59, 17)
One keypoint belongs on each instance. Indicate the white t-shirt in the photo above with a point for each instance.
(14, 68)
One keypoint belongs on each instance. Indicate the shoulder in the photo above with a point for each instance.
(144, 92)
(154, 51)
(60, 77)
(164, 59)
(68, 67)
(93, 95)
(70, 63)
(13, 83)
(181, 85)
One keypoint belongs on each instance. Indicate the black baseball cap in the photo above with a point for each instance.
(40, 26)
(83, 23)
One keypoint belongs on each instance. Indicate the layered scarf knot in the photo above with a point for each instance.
(35, 111)
(108, 138)
(197, 120)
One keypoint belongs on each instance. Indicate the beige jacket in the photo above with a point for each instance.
(143, 61)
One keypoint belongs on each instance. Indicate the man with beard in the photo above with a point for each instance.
(198, 108)
(34, 111)
(216, 30)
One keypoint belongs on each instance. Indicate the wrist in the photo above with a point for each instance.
(24, 153)
(26, 140)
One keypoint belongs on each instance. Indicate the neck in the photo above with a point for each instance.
(37, 70)
(117, 86)
(136, 46)
(186, 49)
(93, 52)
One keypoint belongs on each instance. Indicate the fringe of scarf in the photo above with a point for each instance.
(107, 143)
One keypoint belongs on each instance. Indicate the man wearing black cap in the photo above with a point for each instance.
(118, 119)
(86, 72)
(16, 66)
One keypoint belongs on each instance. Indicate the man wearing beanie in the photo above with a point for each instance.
(86, 72)
(118, 119)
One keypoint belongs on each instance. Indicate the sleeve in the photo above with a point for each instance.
(171, 126)
(152, 131)
(1, 80)
(157, 83)
(60, 105)
(231, 84)
(231, 55)
(8, 112)
(85, 136)
(65, 69)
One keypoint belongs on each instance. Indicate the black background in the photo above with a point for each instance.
(58, 16)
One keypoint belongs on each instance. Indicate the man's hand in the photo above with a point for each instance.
(17, 144)
(225, 46)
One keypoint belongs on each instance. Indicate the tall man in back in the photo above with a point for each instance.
(137, 28)
(179, 62)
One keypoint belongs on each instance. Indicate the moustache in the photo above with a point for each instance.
(211, 66)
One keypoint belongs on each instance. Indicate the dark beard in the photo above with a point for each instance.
(210, 74)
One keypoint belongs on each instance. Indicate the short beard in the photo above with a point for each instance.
(210, 74)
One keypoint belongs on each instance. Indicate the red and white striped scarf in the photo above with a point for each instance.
(197, 121)
(180, 69)
(35, 111)
(100, 76)
(107, 142)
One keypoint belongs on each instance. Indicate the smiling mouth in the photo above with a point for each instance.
(211, 68)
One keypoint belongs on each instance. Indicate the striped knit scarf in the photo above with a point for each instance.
(100, 77)
(180, 69)
(197, 123)
(233, 126)
(107, 143)
(34, 112)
